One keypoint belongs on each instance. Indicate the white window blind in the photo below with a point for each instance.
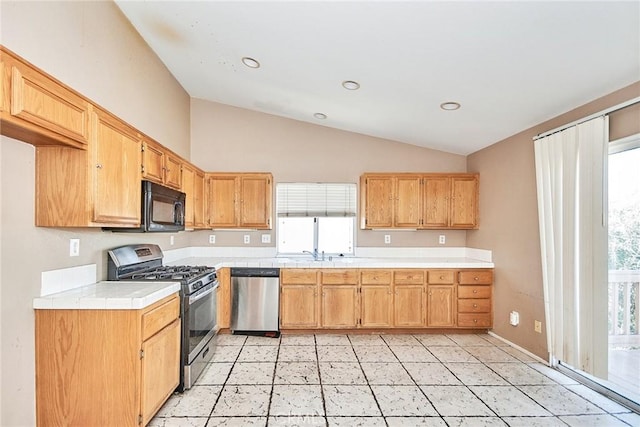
(316, 199)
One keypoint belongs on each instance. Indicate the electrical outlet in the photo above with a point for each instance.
(212, 238)
(387, 239)
(514, 318)
(442, 239)
(172, 240)
(74, 247)
(537, 326)
(266, 238)
(247, 239)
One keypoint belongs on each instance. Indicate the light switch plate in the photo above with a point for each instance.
(74, 247)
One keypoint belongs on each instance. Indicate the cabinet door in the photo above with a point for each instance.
(198, 200)
(378, 202)
(435, 212)
(172, 171)
(160, 369)
(224, 298)
(408, 200)
(44, 104)
(299, 306)
(116, 153)
(339, 306)
(376, 304)
(408, 305)
(464, 202)
(255, 203)
(188, 186)
(222, 200)
(152, 162)
(440, 305)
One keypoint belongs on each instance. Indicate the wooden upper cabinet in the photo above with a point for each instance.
(419, 201)
(240, 200)
(193, 187)
(464, 202)
(222, 195)
(38, 109)
(437, 195)
(377, 201)
(98, 187)
(115, 152)
(407, 201)
(160, 165)
(255, 200)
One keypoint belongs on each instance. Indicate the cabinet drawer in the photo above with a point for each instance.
(339, 277)
(408, 277)
(475, 277)
(298, 277)
(159, 317)
(375, 277)
(474, 306)
(440, 277)
(474, 292)
(475, 320)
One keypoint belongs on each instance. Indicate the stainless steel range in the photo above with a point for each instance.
(197, 295)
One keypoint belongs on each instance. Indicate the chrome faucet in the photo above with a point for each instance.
(314, 254)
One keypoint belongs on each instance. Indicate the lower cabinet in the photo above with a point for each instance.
(106, 367)
(385, 298)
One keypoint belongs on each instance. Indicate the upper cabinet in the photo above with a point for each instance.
(95, 187)
(239, 200)
(193, 187)
(160, 165)
(419, 201)
(38, 109)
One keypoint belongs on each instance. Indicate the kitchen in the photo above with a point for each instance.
(124, 78)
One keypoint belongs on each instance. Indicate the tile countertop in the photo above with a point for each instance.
(336, 262)
(121, 295)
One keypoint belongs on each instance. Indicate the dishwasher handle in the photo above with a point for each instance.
(255, 272)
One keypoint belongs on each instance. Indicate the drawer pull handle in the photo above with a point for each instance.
(475, 291)
(475, 320)
(441, 277)
(475, 305)
(476, 279)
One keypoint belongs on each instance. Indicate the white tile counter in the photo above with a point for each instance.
(336, 262)
(120, 295)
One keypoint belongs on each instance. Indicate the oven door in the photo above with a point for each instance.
(201, 317)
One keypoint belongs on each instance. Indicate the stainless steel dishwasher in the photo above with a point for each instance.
(255, 301)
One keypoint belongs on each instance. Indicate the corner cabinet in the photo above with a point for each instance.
(106, 367)
(193, 187)
(99, 186)
(239, 200)
(419, 201)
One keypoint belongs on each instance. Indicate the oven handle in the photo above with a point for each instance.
(203, 293)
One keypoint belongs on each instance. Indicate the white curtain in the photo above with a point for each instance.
(570, 174)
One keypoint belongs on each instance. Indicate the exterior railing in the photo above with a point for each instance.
(624, 302)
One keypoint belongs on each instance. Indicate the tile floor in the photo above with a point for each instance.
(383, 380)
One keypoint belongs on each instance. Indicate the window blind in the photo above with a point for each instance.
(315, 199)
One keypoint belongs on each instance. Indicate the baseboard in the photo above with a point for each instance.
(516, 346)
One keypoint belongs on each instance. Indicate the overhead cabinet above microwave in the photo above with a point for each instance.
(419, 201)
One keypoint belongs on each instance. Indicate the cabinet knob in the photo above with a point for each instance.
(475, 320)
(441, 277)
(476, 279)
(475, 305)
(475, 291)
(99, 166)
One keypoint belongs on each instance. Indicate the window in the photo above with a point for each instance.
(316, 217)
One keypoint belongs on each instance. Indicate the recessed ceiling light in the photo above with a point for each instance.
(450, 106)
(320, 116)
(350, 85)
(250, 62)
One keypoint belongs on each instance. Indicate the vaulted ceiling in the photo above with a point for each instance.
(510, 65)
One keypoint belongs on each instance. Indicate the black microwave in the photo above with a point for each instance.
(162, 210)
